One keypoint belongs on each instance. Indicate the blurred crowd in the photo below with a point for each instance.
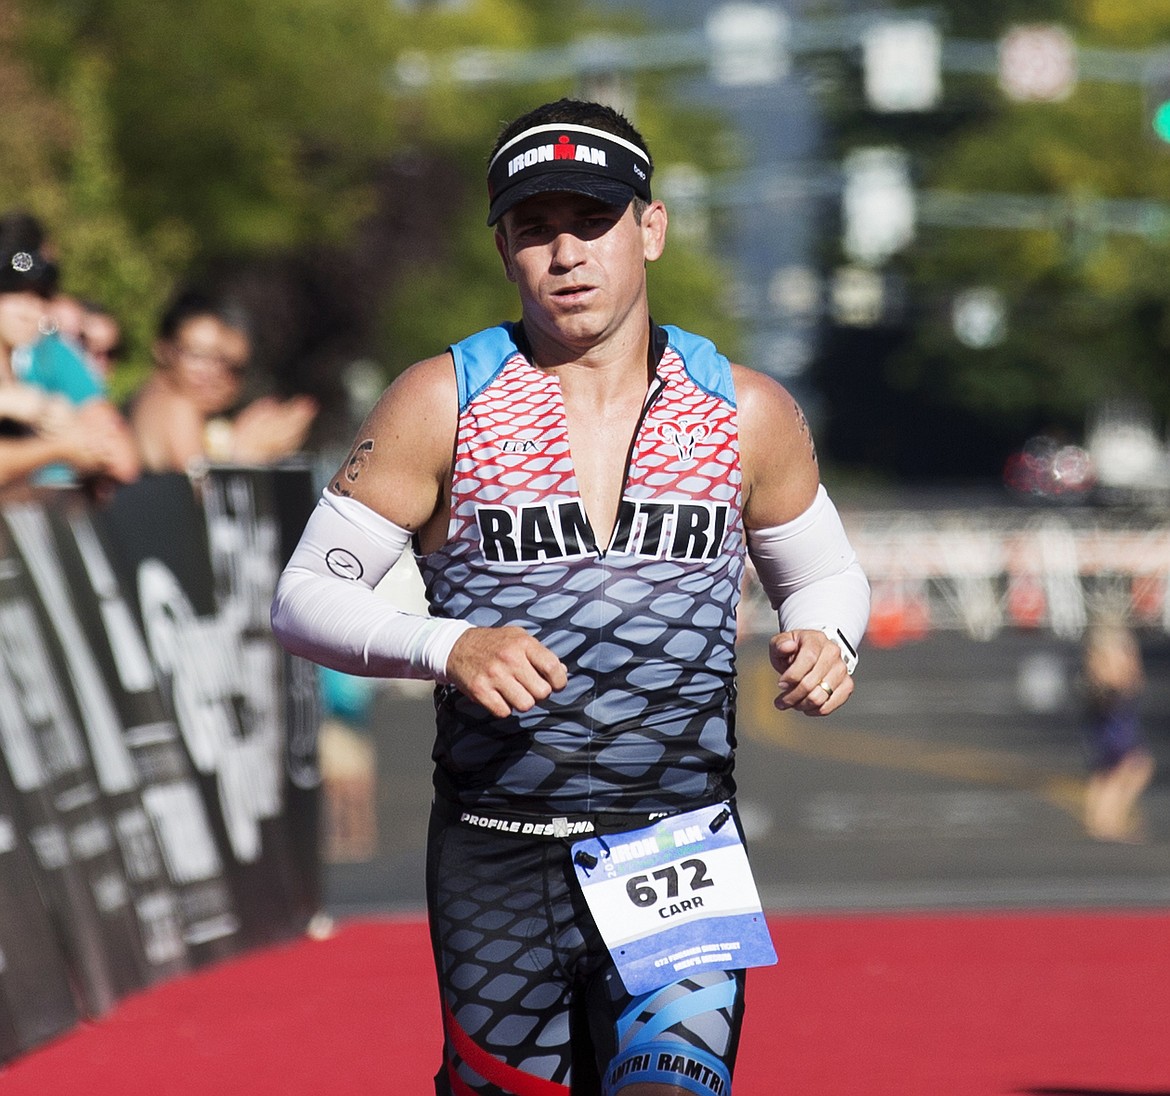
(58, 423)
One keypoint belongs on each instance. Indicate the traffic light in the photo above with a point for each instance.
(1158, 103)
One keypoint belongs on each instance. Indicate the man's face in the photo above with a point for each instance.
(20, 319)
(579, 265)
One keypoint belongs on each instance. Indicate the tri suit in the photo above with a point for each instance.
(646, 626)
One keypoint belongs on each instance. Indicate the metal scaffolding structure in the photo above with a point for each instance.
(986, 571)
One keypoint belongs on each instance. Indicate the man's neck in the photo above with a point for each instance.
(614, 366)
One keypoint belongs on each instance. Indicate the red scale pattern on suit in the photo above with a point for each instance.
(524, 403)
(687, 413)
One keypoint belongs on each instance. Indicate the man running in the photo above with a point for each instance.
(578, 488)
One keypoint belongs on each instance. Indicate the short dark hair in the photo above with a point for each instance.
(577, 112)
(192, 302)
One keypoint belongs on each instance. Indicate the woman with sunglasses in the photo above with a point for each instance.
(188, 412)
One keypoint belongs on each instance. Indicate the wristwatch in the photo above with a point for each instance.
(848, 654)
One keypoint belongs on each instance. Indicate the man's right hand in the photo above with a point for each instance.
(504, 669)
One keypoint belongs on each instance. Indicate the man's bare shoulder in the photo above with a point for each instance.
(429, 379)
(777, 451)
(763, 402)
(401, 455)
(421, 397)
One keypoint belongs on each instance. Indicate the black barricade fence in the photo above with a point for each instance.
(289, 495)
(253, 521)
(36, 995)
(158, 780)
(185, 907)
(222, 676)
(58, 802)
(50, 543)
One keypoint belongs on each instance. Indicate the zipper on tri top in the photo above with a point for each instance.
(655, 390)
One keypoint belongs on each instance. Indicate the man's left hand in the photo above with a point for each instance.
(813, 678)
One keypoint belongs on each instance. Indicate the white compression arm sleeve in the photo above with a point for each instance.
(810, 572)
(325, 608)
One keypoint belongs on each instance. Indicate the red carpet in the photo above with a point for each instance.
(916, 1005)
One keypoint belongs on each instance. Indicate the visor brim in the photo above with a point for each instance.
(611, 192)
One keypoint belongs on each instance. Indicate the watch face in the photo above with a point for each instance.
(848, 654)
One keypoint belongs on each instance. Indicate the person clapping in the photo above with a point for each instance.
(188, 413)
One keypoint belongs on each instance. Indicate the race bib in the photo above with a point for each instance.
(674, 897)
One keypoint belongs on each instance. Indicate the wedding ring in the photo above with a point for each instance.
(827, 687)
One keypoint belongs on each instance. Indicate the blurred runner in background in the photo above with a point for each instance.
(1120, 763)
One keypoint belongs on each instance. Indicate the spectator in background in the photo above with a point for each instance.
(39, 429)
(101, 338)
(186, 412)
(66, 315)
(52, 359)
(51, 362)
(1120, 763)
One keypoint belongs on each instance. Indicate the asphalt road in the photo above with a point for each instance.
(952, 779)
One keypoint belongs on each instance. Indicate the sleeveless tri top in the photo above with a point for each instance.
(645, 624)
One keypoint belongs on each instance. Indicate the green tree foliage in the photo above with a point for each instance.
(103, 258)
(36, 132)
(1081, 295)
(235, 118)
(1087, 310)
(282, 147)
(460, 288)
(57, 162)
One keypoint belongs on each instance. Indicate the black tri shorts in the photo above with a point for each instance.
(532, 1004)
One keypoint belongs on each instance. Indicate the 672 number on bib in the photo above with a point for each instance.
(642, 893)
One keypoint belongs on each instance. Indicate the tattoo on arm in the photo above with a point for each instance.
(359, 458)
(802, 423)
